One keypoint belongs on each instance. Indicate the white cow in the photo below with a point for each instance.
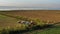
(24, 22)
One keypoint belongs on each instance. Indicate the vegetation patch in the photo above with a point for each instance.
(20, 28)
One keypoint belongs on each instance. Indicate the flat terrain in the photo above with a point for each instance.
(53, 15)
(46, 15)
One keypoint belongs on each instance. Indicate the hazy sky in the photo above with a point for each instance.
(31, 3)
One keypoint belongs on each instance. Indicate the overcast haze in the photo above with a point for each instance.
(39, 4)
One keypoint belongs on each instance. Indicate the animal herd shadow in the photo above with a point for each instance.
(31, 29)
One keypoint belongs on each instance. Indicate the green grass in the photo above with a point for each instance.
(7, 21)
(55, 30)
(10, 24)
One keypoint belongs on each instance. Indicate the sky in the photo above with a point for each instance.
(52, 4)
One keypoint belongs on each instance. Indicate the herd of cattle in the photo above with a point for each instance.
(29, 23)
(32, 23)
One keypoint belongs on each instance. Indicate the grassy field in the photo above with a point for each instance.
(8, 20)
(55, 30)
(41, 14)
